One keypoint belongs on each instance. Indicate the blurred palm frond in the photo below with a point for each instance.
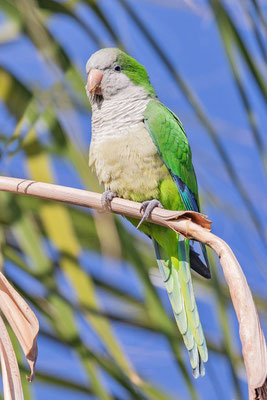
(56, 255)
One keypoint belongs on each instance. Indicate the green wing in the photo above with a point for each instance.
(170, 139)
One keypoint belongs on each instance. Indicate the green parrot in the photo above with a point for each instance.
(139, 151)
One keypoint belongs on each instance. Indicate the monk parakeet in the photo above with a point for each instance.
(139, 151)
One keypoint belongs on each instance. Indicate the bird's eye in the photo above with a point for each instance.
(117, 68)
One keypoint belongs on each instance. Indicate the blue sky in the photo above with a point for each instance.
(190, 38)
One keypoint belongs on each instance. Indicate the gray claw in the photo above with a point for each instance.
(107, 198)
(147, 207)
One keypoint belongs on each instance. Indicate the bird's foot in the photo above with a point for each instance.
(147, 207)
(107, 198)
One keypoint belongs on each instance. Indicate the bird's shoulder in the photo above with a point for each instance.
(167, 133)
(169, 137)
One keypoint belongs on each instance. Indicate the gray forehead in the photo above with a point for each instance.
(102, 59)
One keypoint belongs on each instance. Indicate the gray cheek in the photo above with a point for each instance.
(109, 87)
(114, 83)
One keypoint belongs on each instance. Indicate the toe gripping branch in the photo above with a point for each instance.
(146, 209)
(106, 199)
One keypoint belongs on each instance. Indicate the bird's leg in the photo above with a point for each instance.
(147, 207)
(107, 198)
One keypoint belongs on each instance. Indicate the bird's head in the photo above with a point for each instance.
(112, 72)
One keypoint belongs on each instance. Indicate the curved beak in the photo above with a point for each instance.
(94, 81)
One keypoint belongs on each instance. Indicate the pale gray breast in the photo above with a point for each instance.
(129, 163)
(122, 152)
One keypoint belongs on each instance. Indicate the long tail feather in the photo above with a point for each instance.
(176, 275)
(197, 265)
(205, 254)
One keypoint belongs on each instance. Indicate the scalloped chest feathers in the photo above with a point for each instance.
(122, 152)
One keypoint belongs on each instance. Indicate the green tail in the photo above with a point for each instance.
(176, 274)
